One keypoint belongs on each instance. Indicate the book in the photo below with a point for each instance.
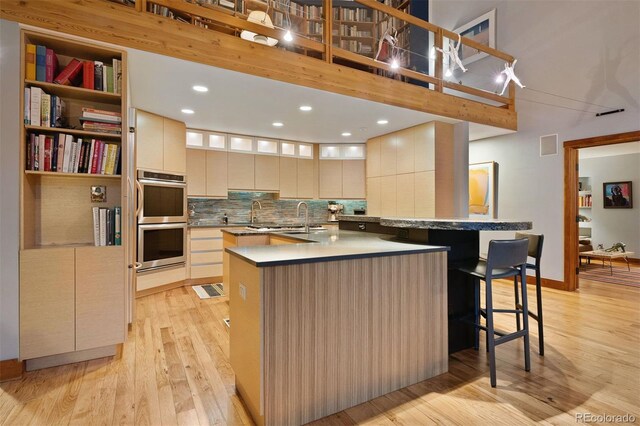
(47, 154)
(117, 226)
(51, 65)
(41, 145)
(104, 77)
(30, 62)
(29, 152)
(101, 113)
(109, 226)
(52, 110)
(87, 75)
(80, 155)
(54, 153)
(69, 73)
(94, 158)
(117, 76)
(96, 225)
(97, 75)
(41, 63)
(68, 150)
(86, 157)
(45, 108)
(109, 78)
(116, 171)
(27, 105)
(36, 105)
(90, 156)
(103, 164)
(59, 112)
(103, 227)
(60, 157)
(111, 159)
(76, 160)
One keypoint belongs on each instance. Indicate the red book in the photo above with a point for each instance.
(87, 75)
(99, 158)
(70, 72)
(51, 65)
(47, 153)
(96, 155)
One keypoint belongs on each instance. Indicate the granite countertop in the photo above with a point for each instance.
(216, 224)
(330, 245)
(454, 224)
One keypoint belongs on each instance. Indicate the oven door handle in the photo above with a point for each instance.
(139, 198)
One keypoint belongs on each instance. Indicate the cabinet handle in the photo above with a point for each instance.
(138, 265)
(139, 198)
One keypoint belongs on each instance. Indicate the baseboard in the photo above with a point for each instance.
(11, 369)
(205, 280)
(160, 288)
(70, 357)
(547, 283)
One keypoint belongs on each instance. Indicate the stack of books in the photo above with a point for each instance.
(42, 109)
(98, 120)
(61, 153)
(107, 226)
(42, 65)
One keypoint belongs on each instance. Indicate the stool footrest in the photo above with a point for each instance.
(509, 337)
(531, 314)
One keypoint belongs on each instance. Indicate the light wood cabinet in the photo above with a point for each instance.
(161, 143)
(425, 195)
(405, 195)
(405, 151)
(175, 146)
(149, 141)
(330, 179)
(229, 240)
(353, 179)
(388, 155)
(217, 185)
(388, 202)
(374, 197)
(424, 154)
(373, 157)
(205, 253)
(240, 171)
(307, 178)
(197, 172)
(267, 172)
(47, 307)
(100, 297)
(288, 177)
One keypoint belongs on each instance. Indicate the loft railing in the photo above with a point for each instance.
(350, 39)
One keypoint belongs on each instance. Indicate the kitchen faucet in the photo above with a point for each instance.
(253, 217)
(306, 215)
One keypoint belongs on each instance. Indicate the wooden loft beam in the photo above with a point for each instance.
(124, 26)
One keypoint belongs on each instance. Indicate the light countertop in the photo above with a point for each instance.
(454, 224)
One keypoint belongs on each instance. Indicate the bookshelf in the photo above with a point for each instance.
(72, 293)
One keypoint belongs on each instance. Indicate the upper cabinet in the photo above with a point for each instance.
(267, 173)
(241, 171)
(160, 143)
(207, 173)
(342, 179)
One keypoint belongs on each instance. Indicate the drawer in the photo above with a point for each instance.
(208, 244)
(206, 271)
(206, 257)
(206, 233)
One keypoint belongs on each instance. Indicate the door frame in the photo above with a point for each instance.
(571, 174)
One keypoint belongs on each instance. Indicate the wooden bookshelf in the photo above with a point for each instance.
(59, 263)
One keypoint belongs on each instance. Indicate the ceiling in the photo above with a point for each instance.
(610, 150)
(245, 104)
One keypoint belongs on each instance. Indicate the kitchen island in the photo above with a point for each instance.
(327, 320)
(462, 236)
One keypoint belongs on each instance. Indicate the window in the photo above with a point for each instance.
(194, 139)
(288, 148)
(267, 146)
(342, 152)
(305, 150)
(240, 143)
(218, 141)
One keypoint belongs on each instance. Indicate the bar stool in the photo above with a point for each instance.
(535, 251)
(506, 258)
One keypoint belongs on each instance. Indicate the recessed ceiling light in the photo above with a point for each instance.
(383, 121)
(201, 89)
(305, 108)
(187, 111)
(345, 134)
(277, 124)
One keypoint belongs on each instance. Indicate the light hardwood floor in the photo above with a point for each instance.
(174, 369)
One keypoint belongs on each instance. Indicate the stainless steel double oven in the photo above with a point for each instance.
(162, 219)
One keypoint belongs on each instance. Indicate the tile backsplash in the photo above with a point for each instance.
(238, 208)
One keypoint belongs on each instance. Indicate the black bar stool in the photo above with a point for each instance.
(506, 258)
(535, 251)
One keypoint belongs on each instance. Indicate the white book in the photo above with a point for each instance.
(68, 146)
(41, 139)
(72, 160)
(96, 225)
(103, 227)
(105, 155)
(104, 78)
(36, 104)
(105, 117)
(27, 105)
(93, 146)
(76, 159)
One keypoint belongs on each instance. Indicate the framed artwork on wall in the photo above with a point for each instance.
(617, 195)
(483, 30)
(482, 190)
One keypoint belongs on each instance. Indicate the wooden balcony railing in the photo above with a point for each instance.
(138, 27)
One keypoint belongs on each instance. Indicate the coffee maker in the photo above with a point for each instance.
(334, 210)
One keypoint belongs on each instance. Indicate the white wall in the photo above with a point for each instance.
(609, 226)
(9, 186)
(585, 50)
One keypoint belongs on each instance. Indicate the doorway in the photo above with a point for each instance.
(571, 182)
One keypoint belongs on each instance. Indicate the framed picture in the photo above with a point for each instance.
(99, 194)
(482, 190)
(617, 195)
(482, 30)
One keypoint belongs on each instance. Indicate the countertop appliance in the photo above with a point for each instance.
(334, 210)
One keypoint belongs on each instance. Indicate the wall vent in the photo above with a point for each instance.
(548, 145)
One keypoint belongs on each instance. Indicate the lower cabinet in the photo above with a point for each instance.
(205, 253)
(71, 299)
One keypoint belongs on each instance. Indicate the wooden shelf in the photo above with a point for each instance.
(114, 137)
(363, 38)
(76, 92)
(80, 175)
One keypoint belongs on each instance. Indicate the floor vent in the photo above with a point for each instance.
(208, 291)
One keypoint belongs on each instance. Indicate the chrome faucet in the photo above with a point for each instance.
(306, 215)
(253, 217)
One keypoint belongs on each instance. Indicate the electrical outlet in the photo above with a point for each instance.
(243, 292)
